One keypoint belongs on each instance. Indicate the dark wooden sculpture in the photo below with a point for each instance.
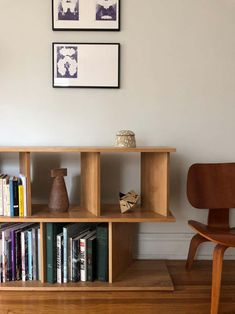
(58, 201)
(212, 186)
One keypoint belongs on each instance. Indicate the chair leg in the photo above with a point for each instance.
(194, 244)
(216, 277)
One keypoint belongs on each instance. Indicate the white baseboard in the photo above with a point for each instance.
(173, 246)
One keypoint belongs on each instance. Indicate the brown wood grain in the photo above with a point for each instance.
(90, 182)
(88, 149)
(121, 247)
(191, 295)
(155, 182)
(110, 213)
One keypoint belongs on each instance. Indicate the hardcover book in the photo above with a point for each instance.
(91, 258)
(83, 252)
(52, 230)
(102, 252)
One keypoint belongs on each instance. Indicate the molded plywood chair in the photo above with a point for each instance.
(212, 186)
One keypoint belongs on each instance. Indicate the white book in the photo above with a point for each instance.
(83, 252)
(24, 184)
(59, 257)
(6, 196)
(1, 195)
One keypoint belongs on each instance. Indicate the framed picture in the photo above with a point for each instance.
(86, 15)
(91, 65)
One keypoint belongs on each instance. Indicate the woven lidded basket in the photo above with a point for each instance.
(125, 138)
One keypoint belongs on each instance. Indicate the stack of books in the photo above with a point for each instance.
(13, 200)
(76, 252)
(19, 252)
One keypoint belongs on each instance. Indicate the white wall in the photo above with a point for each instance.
(177, 88)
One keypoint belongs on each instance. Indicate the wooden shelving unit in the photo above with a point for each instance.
(124, 272)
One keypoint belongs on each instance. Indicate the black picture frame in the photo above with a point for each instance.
(95, 68)
(81, 24)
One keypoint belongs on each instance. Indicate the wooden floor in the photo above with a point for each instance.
(191, 296)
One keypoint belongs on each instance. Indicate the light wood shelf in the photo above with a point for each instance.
(124, 273)
(139, 276)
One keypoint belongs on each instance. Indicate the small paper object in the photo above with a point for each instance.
(128, 201)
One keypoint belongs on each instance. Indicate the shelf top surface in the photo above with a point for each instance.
(86, 149)
(110, 213)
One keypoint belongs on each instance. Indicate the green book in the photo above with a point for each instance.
(52, 229)
(91, 258)
(102, 252)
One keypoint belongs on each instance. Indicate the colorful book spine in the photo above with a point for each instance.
(9, 261)
(21, 198)
(24, 184)
(102, 252)
(18, 255)
(13, 255)
(59, 255)
(24, 254)
(14, 197)
(30, 255)
(34, 252)
(39, 254)
(83, 252)
(75, 260)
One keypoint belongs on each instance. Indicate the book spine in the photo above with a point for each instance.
(65, 255)
(39, 254)
(49, 252)
(4, 258)
(102, 253)
(11, 197)
(24, 184)
(15, 198)
(9, 262)
(70, 260)
(18, 256)
(30, 256)
(6, 198)
(13, 256)
(34, 253)
(1, 198)
(21, 200)
(23, 255)
(59, 259)
(91, 263)
(83, 260)
(75, 261)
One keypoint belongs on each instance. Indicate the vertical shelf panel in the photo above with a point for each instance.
(43, 251)
(155, 182)
(25, 170)
(121, 244)
(90, 182)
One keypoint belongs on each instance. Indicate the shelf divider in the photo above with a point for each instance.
(90, 182)
(121, 244)
(155, 182)
(43, 251)
(24, 158)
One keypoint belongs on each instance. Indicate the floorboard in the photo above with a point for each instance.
(191, 296)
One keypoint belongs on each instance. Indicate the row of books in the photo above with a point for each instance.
(76, 252)
(19, 252)
(13, 200)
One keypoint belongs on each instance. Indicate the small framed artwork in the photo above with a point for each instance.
(86, 15)
(88, 65)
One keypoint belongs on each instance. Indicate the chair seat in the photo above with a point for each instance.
(220, 236)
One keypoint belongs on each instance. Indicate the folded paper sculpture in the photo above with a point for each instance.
(128, 201)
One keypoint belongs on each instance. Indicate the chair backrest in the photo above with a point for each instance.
(211, 185)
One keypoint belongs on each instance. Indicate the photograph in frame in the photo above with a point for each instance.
(86, 15)
(93, 65)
